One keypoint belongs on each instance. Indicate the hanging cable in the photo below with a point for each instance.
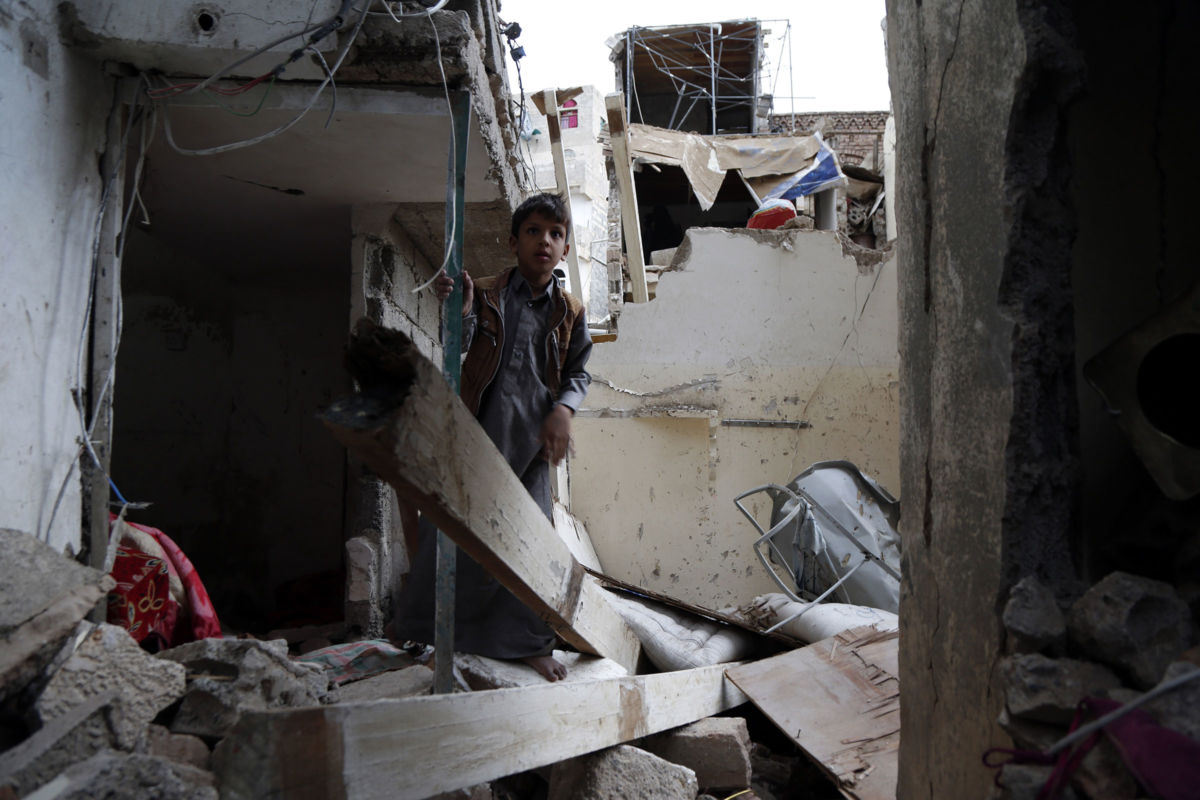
(282, 128)
(449, 250)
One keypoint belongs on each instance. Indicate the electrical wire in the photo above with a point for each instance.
(387, 4)
(224, 148)
(138, 114)
(449, 250)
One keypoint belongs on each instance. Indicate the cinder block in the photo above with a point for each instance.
(717, 749)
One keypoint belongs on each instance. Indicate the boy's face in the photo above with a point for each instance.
(540, 244)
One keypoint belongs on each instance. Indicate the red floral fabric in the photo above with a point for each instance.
(141, 602)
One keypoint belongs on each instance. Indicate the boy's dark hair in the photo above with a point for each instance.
(547, 204)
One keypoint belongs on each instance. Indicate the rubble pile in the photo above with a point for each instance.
(86, 711)
(1123, 638)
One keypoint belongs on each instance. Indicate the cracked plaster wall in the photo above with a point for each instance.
(55, 105)
(746, 325)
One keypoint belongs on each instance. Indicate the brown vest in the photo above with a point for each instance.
(483, 358)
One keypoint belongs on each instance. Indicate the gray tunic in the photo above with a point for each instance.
(489, 620)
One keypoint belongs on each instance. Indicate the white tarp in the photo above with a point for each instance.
(772, 166)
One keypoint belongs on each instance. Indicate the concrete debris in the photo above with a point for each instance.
(1102, 775)
(181, 748)
(109, 662)
(81, 732)
(43, 596)
(228, 676)
(1179, 709)
(1030, 735)
(481, 672)
(1025, 782)
(362, 594)
(1133, 624)
(407, 682)
(622, 771)
(482, 791)
(1032, 617)
(115, 775)
(1048, 690)
(717, 749)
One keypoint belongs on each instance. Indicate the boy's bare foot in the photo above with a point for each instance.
(547, 667)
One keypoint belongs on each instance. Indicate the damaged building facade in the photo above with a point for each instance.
(176, 312)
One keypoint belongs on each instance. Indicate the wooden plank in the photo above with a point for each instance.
(419, 746)
(415, 433)
(618, 128)
(839, 700)
(554, 126)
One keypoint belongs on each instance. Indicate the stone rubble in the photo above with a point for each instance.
(621, 771)
(227, 676)
(1134, 632)
(1032, 618)
(109, 661)
(1135, 625)
(717, 749)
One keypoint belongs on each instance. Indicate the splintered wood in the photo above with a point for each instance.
(415, 433)
(839, 700)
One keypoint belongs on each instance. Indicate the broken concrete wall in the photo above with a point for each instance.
(55, 108)
(987, 410)
(765, 326)
(225, 356)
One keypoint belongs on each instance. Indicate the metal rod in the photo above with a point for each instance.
(447, 553)
(766, 423)
(822, 596)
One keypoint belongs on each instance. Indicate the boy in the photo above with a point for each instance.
(524, 377)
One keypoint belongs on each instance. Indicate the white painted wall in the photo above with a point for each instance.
(757, 325)
(52, 131)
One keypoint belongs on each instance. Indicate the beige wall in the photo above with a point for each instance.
(750, 325)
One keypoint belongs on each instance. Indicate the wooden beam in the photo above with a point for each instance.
(415, 433)
(421, 746)
(618, 130)
(554, 125)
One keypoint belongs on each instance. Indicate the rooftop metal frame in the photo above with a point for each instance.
(707, 79)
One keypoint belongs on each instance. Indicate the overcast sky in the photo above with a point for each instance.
(836, 45)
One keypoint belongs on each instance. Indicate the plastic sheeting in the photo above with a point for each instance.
(773, 167)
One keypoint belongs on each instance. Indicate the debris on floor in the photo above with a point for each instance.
(1100, 701)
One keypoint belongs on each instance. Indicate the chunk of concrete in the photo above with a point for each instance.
(621, 772)
(1102, 775)
(1133, 624)
(1048, 689)
(480, 791)
(227, 676)
(1032, 617)
(43, 596)
(109, 662)
(1179, 708)
(78, 734)
(1029, 735)
(179, 747)
(482, 673)
(113, 775)
(1025, 782)
(407, 682)
(717, 749)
